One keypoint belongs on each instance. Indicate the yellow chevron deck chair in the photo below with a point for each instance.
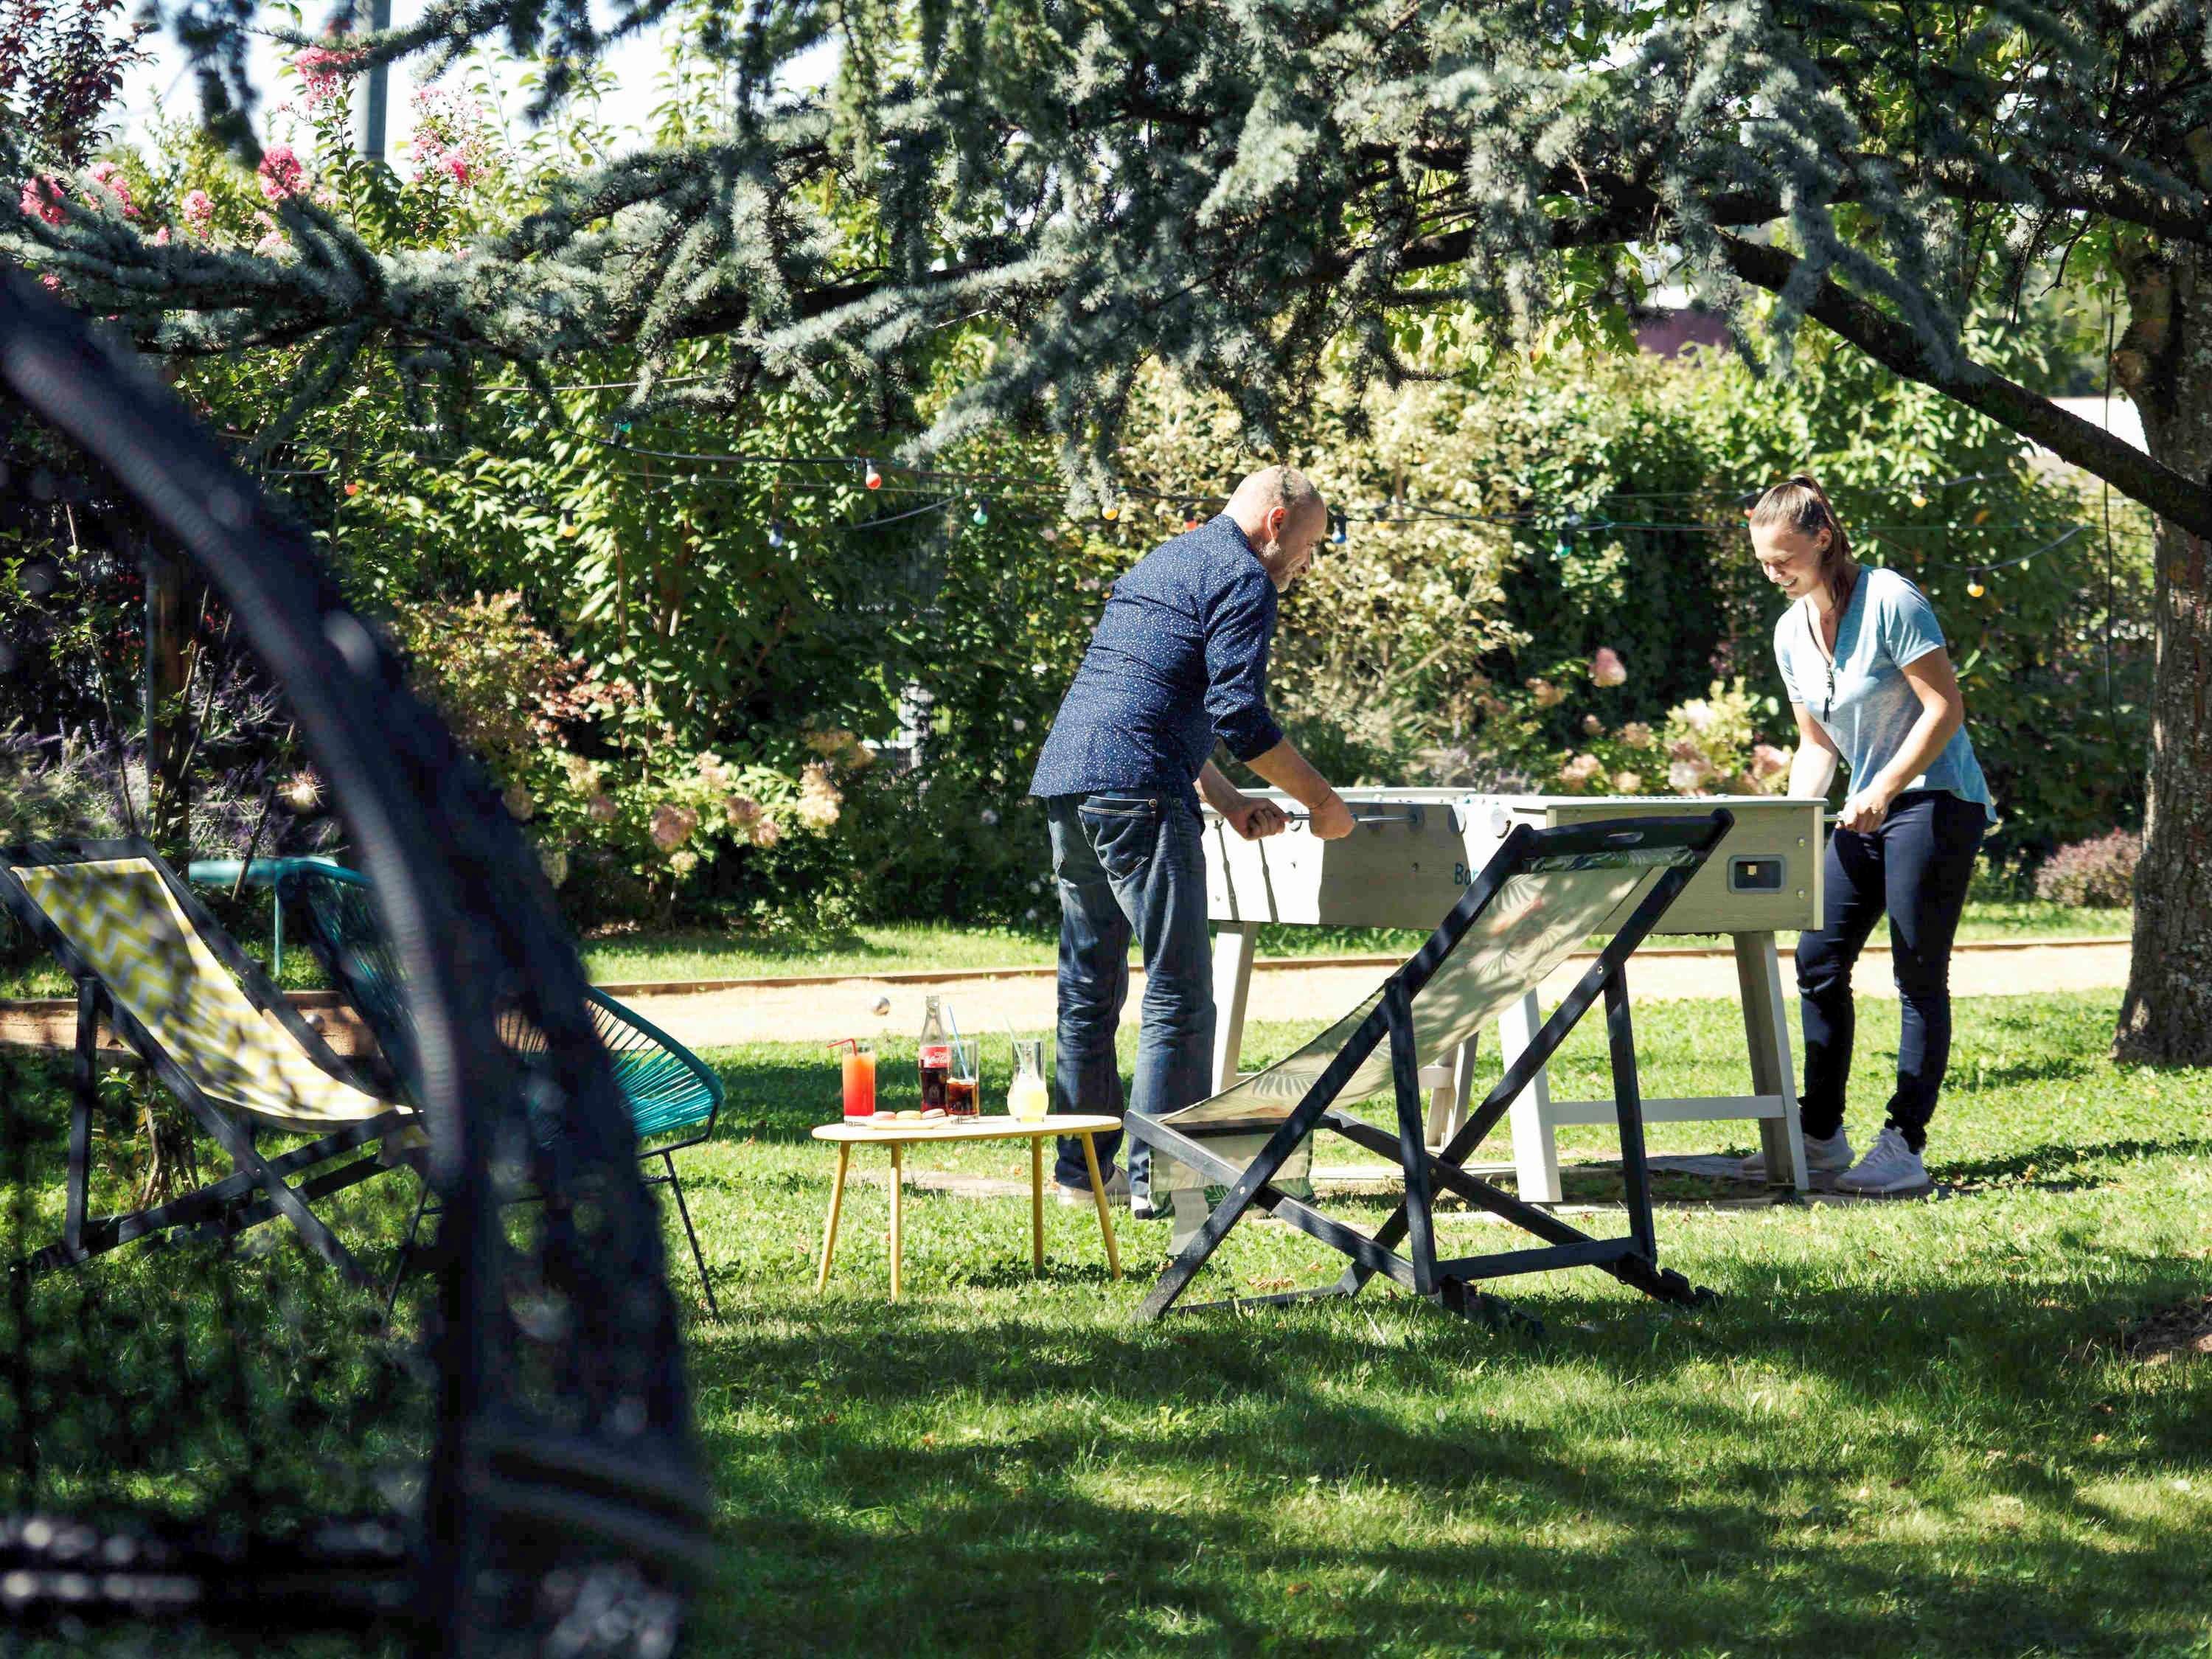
(177, 990)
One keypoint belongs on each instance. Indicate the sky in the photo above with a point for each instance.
(165, 82)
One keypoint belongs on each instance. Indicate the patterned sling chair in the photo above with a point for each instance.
(674, 1096)
(1252, 1144)
(176, 989)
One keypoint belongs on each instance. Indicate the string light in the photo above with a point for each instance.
(982, 515)
(1110, 511)
(872, 478)
(1340, 534)
(775, 532)
(1974, 588)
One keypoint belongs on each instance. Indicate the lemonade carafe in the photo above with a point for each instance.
(1026, 1096)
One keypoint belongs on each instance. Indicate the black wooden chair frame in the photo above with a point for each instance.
(1449, 1282)
(258, 1187)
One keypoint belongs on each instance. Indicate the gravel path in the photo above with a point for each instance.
(821, 1011)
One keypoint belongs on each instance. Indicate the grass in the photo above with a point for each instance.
(893, 947)
(1905, 1429)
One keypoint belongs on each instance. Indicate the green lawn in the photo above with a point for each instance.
(891, 947)
(1906, 1428)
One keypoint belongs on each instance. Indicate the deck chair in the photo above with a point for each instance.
(1539, 897)
(177, 990)
(674, 1096)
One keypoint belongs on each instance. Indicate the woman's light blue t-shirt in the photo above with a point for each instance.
(1887, 623)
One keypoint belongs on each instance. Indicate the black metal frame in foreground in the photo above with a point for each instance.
(259, 1187)
(562, 1496)
(1449, 1282)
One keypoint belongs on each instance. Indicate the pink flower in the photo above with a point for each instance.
(1685, 776)
(458, 165)
(161, 237)
(1593, 727)
(1549, 696)
(600, 808)
(199, 211)
(280, 173)
(1605, 668)
(321, 69)
(43, 198)
(1636, 734)
(672, 826)
(1578, 772)
(1627, 783)
(1766, 760)
(51, 283)
(109, 177)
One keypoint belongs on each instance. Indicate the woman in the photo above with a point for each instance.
(1862, 657)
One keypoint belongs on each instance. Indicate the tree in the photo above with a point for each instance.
(1229, 189)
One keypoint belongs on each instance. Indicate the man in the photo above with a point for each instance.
(1178, 661)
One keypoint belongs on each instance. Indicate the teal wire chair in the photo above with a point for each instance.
(670, 1090)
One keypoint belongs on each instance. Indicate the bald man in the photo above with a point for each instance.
(1178, 663)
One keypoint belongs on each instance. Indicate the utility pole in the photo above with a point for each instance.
(379, 89)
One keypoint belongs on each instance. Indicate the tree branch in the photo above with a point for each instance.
(1894, 345)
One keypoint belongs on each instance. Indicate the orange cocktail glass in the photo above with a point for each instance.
(860, 1069)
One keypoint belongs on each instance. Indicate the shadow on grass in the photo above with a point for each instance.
(1338, 1479)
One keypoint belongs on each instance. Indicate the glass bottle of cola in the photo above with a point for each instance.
(936, 1056)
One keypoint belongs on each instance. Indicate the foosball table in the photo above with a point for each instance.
(1410, 854)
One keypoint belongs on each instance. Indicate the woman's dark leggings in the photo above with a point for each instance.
(1915, 868)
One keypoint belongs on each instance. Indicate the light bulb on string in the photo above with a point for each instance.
(1341, 534)
(872, 477)
(775, 532)
(1974, 588)
(1110, 511)
(982, 515)
(1190, 516)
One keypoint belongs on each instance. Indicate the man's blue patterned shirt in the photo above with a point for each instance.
(1180, 658)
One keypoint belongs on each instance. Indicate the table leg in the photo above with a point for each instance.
(1536, 1143)
(836, 1205)
(1098, 1197)
(1036, 1203)
(898, 1195)
(1233, 945)
(1766, 1029)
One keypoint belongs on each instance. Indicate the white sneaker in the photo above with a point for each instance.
(1079, 1195)
(1889, 1169)
(1829, 1157)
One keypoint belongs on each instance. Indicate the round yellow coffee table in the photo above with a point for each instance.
(899, 1136)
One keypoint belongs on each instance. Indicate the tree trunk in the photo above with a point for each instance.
(171, 602)
(2165, 363)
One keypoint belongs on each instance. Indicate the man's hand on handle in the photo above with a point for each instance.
(1254, 819)
(1329, 818)
(1332, 818)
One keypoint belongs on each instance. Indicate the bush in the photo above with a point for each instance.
(2099, 874)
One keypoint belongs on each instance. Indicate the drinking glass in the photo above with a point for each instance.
(1027, 1097)
(859, 1077)
(961, 1086)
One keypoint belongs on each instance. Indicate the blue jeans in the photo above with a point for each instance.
(1129, 862)
(1915, 868)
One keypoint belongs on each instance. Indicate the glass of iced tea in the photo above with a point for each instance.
(859, 1077)
(961, 1085)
